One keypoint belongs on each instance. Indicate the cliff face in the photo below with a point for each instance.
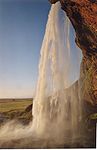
(83, 16)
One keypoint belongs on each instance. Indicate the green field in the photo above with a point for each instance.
(14, 104)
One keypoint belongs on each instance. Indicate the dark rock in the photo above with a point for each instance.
(53, 1)
(29, 108)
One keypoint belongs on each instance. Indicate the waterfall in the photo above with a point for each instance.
(56, 110)
(57, 106)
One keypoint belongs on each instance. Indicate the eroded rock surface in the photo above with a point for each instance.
(83, 16)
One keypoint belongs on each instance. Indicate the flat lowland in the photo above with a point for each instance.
(18, 109)
(14, 104)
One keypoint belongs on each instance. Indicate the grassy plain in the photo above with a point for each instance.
(14, 104)
(16, 109)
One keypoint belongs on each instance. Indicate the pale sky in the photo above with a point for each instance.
(22, 27)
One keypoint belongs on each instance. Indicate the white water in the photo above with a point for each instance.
(56, 108)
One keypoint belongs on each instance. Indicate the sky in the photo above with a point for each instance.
(22, 27)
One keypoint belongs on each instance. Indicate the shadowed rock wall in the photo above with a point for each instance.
(83, 16)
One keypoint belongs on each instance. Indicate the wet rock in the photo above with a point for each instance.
(29, 108)
(53, 1)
